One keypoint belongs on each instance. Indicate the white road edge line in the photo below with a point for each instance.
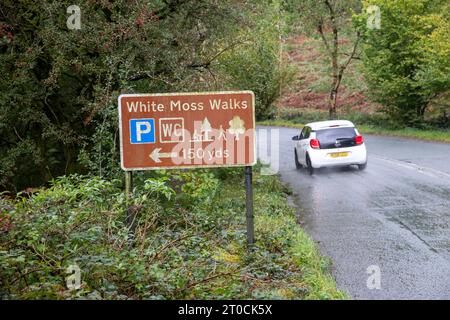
(424, 170)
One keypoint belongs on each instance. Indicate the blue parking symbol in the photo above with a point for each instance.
(142, 130)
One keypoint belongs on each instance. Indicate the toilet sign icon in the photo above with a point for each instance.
(171, 130)
(142, 131)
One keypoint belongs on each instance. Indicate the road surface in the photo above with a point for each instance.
(395, 215)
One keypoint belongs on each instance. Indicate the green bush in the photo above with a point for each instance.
(58, 103)
(406, 61)
(179, 249)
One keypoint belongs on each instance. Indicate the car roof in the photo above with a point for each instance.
(320, 125)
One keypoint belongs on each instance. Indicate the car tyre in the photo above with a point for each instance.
(298, 165)
(309, 165)
(362, 166)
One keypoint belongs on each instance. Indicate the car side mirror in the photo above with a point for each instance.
(296, 138)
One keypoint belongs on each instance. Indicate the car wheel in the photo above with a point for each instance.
(298, 165)
(362, 166)
(309, 165)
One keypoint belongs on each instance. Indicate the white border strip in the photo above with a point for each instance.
(119, 106)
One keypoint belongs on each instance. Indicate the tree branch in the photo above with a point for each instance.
(352, 55)
(199, 65)
(322, 35)
(217, 55)
(347, 63)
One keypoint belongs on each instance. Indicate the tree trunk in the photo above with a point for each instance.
(332, 102)
(333, 50)
(335, 64)
(332, 105)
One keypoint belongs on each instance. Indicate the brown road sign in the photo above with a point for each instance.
(184, 130)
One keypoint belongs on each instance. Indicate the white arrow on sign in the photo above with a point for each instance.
(156, 155)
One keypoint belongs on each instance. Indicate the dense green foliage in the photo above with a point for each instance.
(407, 60)
(256, 66)
(189, 241)
(182, 234)
(58, 118)
(59, 87)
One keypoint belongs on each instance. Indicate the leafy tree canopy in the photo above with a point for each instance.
(59, 87)
(406, 61)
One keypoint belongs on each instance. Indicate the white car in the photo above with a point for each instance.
(329, 143)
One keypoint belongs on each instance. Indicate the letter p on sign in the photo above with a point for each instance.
(142, 130)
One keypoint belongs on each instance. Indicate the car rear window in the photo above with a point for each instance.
(336, 137)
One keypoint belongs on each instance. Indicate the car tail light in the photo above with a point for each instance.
(359, 139)
(314, 143)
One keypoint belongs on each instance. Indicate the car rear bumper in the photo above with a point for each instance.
(322, 158)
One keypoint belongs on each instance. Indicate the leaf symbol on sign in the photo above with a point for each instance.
(236, 126)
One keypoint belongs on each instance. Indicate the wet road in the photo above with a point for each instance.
(395, 215)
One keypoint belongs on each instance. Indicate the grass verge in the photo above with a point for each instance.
(426, 135)
(189, 241)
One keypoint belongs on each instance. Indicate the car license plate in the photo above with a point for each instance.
(338, 154)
